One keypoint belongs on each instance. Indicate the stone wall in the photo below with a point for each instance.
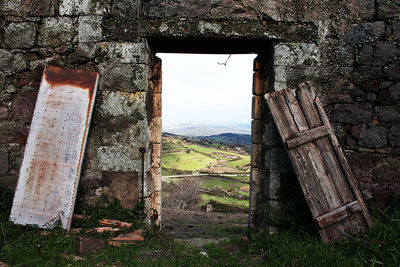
(348, 50)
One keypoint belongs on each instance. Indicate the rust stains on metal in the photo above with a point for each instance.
(78, 78)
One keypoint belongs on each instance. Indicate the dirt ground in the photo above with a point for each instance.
(199, 227)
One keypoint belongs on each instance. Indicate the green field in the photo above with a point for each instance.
(211, 182)
(185, 156)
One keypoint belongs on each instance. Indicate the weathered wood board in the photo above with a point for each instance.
(49, 175)
(319, 163)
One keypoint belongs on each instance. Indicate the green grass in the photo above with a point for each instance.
(227, 202)
(211, 182)
(26, 246)
(174, 156)
(186, 161)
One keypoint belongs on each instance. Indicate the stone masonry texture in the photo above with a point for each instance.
(349, 51)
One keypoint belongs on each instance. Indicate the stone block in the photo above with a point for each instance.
(396, 30)
(89, 29)
(352, 113)
(257, 64)
(84, 7)
(20, 35)
(385, 53)
(123, 52)
(271, 135)
(16, 7)
(44, 8)
(155, 174)
(4, 113)
(258, 156)
(387, 113)
(365, 32)
(56, 32)
(122, 104)
(155, 208)
(370, 86)
(373, 137)
(260, 83)
(123, 77)
(23, 105)
(387, 12)
(278, 86)
(364, 74)
(119, 158)
(81, 54)
(156, 105)
(125, 187)
(392, 71)
(394, 136)
(277, 160)
(155, 130)
(366, 55)
(222, 9)
(280, 74)
(258, 176)
(13, 132)
(156, 77)
(384, 98)
(156, 155)
(272, 186)
(366, 9)
(296, 54)
(258, 108)
(257, 130)
(6, 61)
(395, 92)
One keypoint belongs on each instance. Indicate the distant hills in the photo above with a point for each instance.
(199, 129)
(230, 138)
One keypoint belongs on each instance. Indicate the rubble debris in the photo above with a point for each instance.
(129, 238)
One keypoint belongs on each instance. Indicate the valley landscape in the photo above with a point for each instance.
(205, 181)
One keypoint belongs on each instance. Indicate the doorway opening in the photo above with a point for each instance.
(256, 87)
(206, 144)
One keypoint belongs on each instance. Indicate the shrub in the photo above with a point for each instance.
(181, 195)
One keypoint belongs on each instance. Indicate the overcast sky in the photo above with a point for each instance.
(198, 89)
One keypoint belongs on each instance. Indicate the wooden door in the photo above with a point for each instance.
(50, 170)
(319, 163)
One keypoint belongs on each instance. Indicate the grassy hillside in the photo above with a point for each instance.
(180, 155)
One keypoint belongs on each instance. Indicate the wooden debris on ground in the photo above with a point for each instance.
(129, 238)
(108, 225)
(110, 222)
(95, 230)
(319, 163)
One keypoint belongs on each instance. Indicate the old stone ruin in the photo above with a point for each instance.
(348, 50)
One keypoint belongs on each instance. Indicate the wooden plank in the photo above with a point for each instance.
(339, 153)
(306, 137)
(286, 126)
(338, 214)
(50, 170)
(295, 109)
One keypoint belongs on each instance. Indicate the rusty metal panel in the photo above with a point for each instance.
(49, 175)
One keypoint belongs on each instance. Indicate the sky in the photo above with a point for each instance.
(195, 88)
